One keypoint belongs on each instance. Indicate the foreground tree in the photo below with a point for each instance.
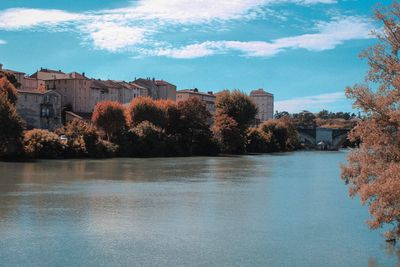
(373, 170)
(110, 117)
(11, 129)
(8, 90)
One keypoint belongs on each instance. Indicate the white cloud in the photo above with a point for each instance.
(329, 35)
(118, 29)
(113, 37)
(22, 18)
(2, 42)
(311, 103)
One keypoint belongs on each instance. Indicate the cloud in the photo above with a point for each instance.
(329, 35)
(23, 18)
(112, 36)
(2, 42)
(136, 24)
(311, 103)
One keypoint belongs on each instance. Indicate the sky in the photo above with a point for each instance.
(305, 52)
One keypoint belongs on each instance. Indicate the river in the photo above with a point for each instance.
(269, 210)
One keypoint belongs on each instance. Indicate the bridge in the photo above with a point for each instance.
(323, 138)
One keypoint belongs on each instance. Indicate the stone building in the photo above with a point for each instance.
(26, 83)
(208, 98)
(40, 110)
(157, 89)
(265, 105)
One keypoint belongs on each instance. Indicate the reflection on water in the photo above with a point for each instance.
(272, 210)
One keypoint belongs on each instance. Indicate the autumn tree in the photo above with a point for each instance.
(11, 124)
(8, 90)
(11, 129)
(228, 134)
(237, 106)
(110, 117)
(11, 78)
(145, 109)
(171, 114)
(282, 134)
(373, 170)
(193, 125)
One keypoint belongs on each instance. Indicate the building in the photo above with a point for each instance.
(40, 110)
(207, 98)
(157, 89)
(265, 105)
(26, 83)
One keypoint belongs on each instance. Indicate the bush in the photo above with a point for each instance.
(283, 134)
(43, 144)
(83, 139)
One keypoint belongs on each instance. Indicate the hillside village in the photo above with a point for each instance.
(50, 98)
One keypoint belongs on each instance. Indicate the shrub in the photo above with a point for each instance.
(43, 144)
(83, 139)
(8, 90)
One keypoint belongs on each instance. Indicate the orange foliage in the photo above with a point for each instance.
(373, 171)
(110, 116)
(7, 89)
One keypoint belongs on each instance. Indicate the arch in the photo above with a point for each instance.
(339, 140)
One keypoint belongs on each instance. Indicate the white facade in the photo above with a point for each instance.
(265, 105)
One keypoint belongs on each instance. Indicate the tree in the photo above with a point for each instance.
(171, 115)
(8, 90)
(373, 170)
(193, 125)
(282, 114)
(11, 129)
(282, 134)
(11, 78)
(145, 109)
(238, 106)
(110, 116)
(228, 134)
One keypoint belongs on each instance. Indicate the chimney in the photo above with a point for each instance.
(154, 79)
(196, 90)
(83, 74)
(210, 92)
(1, 66)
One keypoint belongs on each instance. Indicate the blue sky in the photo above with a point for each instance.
(305, 52)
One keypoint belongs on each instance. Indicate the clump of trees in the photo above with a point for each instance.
(373, 170)
(277, 135)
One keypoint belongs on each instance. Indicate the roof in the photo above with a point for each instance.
(37, 92)
(192, 91)
(13, 71)
(259, 92)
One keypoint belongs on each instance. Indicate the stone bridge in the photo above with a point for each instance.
(323, 138)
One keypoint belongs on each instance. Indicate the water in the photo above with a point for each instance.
(271, 210)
